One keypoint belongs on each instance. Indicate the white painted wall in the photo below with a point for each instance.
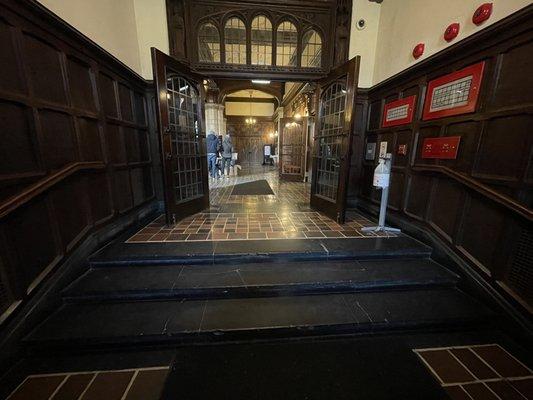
(125, 28)
(152, 31)
(363, 42)
(404, 23)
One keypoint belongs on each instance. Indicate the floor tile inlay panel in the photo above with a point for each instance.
(480, 372)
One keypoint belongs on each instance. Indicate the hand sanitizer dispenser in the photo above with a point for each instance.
(382, 181)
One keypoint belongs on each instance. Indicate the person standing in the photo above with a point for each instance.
(227, 151)
(212, 150)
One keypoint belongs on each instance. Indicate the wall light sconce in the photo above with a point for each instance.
(297, 116)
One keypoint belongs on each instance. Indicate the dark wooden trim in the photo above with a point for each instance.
(248, 100)
(479, 188)
(11, 204)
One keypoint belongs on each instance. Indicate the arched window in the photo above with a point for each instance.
(235, 41)
(208, 44)
(261, 41)
(311, 49)
(287, 42)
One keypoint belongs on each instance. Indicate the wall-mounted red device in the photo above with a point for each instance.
(451, 31)
(482, 13)
(444, 148)
(418, 50)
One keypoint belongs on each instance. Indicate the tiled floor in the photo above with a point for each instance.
(284, 192)
(253, 226)
(129, 384)
(252, 222)
(481, 372)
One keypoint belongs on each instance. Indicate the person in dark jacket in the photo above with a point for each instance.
(212, 150)
(227, 151)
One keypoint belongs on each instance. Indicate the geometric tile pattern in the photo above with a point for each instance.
(479, 372)
(254, 226)
(127, 384)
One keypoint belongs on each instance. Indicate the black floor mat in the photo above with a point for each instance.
(252, 188)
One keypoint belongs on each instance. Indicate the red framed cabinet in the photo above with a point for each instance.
(454, 94)
(399, 112)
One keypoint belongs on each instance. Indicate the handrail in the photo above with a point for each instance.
(14, 202)
(503, 200)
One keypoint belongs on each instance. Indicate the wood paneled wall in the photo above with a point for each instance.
(481, 202)
(63, 102)
(249, 140)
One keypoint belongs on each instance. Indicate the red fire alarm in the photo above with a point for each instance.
(418, 50)
(451, 32)
(482, 13)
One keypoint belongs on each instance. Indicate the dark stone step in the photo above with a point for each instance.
(242, 251)
(254, 280)
(158, 322)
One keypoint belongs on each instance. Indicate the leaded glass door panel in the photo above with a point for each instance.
(181, 132)
(292, 149)
(334, 130)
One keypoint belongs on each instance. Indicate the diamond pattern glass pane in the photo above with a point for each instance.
(235, 41)
(287, 41)
(311, 50)
(329, 140)
(208, 44)
(261, 41)
(187, 157)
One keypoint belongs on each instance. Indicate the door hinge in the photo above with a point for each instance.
(168, 156)
(174, 219)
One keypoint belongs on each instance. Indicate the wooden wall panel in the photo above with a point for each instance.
(65, 105)
(478, 201)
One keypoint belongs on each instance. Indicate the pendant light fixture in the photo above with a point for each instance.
(250, 120)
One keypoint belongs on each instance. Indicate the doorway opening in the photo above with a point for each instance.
(288, 150)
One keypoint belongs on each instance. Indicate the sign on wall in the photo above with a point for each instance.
(444, 148)
(399, 112)
(454, 94)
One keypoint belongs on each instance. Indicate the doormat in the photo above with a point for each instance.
(252, 188)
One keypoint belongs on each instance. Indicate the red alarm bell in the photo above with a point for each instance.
(451, 32)
(482, 13)
(418, 50)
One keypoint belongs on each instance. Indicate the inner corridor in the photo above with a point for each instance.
(284, 214)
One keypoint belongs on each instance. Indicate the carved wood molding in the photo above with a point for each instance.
(45, 184)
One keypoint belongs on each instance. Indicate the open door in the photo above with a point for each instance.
(179, 94)
(332, 142)
(292, 149)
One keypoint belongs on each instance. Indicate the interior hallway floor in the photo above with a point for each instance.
(285, 213)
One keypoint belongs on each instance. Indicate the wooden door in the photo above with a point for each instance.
(292, 149)
(334, 130)
(179, 95)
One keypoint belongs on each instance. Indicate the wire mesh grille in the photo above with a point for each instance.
(521, 271)
(187, 160)
(287, 42)
(261, 41)
(311, 49)
(235, 41)
(329, 140)
(208, 43)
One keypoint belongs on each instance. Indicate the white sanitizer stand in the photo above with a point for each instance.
(382, 181)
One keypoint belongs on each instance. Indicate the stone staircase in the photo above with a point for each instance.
(161, 294)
